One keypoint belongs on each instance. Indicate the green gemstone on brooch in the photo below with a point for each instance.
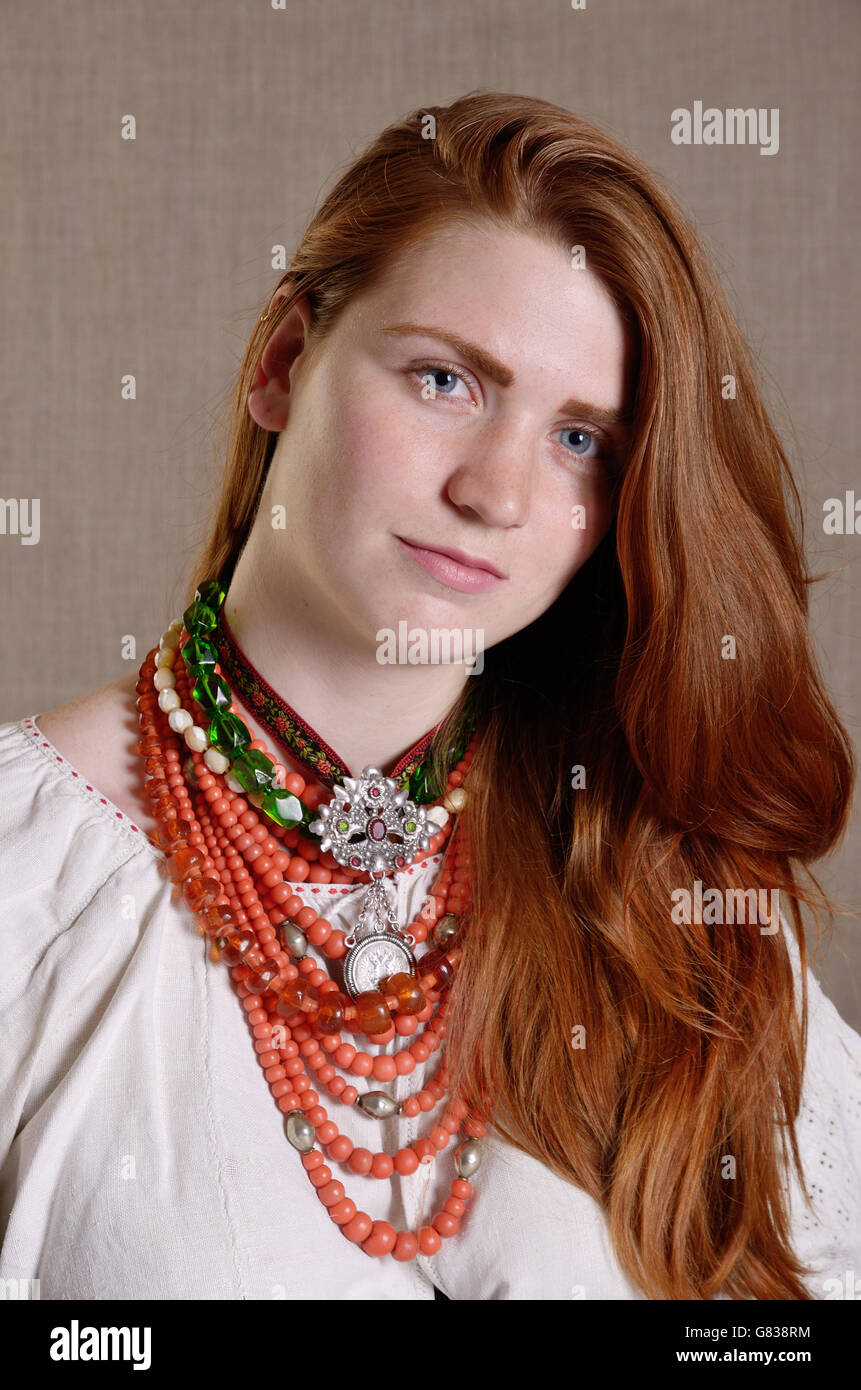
(200, 656)
(343, 825)
(212, 693)
(199, 619)
(228, 734)
(253, 770)
(282, 807)
(410, 827)
(211, 594)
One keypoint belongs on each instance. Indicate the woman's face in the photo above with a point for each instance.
(463, 403)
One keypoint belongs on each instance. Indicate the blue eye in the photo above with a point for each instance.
(584, 434)
(432, 372)
(429, 371)
(603, 453)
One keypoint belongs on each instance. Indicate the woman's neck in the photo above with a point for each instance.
(370, 713)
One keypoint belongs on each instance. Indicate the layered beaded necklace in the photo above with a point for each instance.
(238, 831)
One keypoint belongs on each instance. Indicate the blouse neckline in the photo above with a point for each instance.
(87, 790)
(120, 821)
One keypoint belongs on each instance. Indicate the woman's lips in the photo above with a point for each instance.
(464, 578)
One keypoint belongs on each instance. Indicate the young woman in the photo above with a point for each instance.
(516, 940)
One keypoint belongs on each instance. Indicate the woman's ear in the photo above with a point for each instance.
(269, 397)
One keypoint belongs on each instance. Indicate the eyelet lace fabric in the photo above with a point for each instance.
(140, 1154)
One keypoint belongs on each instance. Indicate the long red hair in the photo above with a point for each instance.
(733, 772)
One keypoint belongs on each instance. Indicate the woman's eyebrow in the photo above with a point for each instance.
(479, 357)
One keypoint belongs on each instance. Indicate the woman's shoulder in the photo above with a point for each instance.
(828, 1233)
(79, 877)
(72, 807)
(90, 746)
(833, 1052)
(84, 901)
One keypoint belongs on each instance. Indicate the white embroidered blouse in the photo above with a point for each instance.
(142, 1155)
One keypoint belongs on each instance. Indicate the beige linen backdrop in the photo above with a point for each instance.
(150, 258)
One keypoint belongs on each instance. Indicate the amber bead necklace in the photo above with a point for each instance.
(237, 839)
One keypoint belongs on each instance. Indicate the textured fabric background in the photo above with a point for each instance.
(153, 257)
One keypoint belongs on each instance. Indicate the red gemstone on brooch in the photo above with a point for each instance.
(377, 829)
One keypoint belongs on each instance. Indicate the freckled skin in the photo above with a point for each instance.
(363, 457)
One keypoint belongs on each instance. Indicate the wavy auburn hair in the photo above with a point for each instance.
(734, 772)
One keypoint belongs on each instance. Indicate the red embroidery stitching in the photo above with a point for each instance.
(32, 728)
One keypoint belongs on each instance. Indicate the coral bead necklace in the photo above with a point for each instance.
(237, 839)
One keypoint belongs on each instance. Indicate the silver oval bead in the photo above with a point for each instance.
(445, 929)
(294, 939)
(300, 1131)
(378, 1104)
(468, 1158)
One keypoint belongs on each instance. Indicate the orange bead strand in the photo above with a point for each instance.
(234, 869)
